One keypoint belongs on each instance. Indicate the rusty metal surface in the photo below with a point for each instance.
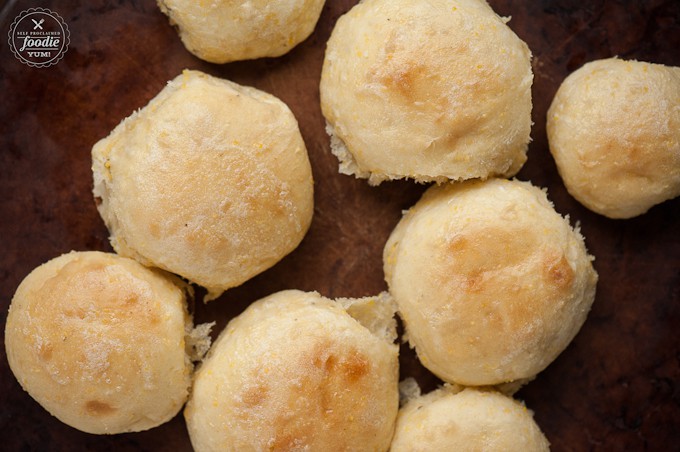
(617, 387)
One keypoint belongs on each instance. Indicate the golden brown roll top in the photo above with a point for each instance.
(210, 181)
(221, 31)
(426, 89)
(471, 420)
(101, 342)
(491, 282)
(295, 372)
(614, 131)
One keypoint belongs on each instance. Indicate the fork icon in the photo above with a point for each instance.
(38, 24)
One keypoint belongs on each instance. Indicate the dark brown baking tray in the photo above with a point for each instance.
(617, 386)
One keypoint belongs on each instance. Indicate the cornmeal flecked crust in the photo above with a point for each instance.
(614, 131)
(491, 282)
(428, 89)
(210, 180)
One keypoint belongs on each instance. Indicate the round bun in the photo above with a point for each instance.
(295, 372)
(210, 181)
(426, 89)
(491, 282)
(470, 420)
(614, 131)
(221, 31)
(99, 341)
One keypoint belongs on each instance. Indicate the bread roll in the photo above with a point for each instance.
(426, 89)
(210, 181)
(221, 31)
(491, 282)
(99, 341)
(614, 131)
(471, 420)
(295, 372)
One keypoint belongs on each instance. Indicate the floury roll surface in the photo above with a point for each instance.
(296, 371)
(102, 342)
(491, 282)
(428, 90)
(221, 31)
(614, 131)
(471, 420)
(210, 180)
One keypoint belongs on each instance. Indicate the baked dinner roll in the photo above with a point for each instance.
(224, 30)
(614, 131)
(101, 342)
(210, 181)
(491, 282)
(295, 372)
(426, 89)
(471, 420)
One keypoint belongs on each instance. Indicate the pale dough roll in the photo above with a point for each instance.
(491, 282)
(471, 421)
(614, 131)
(295, 372)
(210, 180)
(426, 89)
(99, 341)
(221, 31)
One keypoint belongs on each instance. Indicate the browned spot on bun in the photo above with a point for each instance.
(255, 395)
(131, 298)
(323, 360)
(403, 79)
(558, 271)
(284, 441)
(45, 351)
(75, 312)
(472, 260)
(97, 408)
(333, 371)
(473, 281)
(350, 365)
(355, 367)
(155, 230)
(457, 243)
